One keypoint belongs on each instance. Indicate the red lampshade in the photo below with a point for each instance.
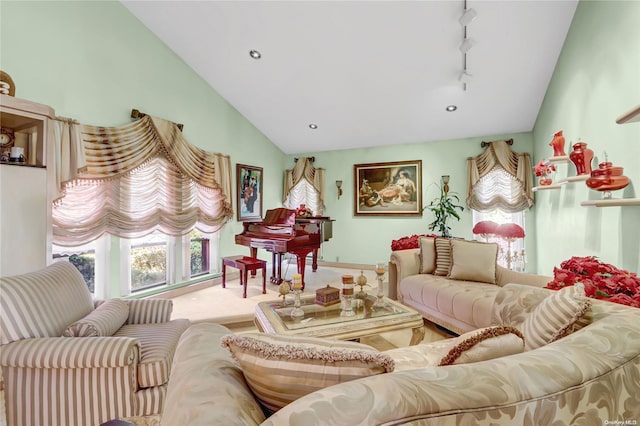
(510, 230)
(486, 227)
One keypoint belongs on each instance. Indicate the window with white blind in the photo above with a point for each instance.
(304, 193)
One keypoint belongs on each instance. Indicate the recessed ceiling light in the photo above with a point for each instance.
(313, 126)
(451, 108)
(255, 54)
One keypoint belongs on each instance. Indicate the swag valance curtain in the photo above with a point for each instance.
(134, 179)
(510, 190)
(304, 169)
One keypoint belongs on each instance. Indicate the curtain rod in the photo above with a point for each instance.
(139, 114)
(312, 159)
(485, 144)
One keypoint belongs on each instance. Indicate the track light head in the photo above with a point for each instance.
(468, 16)
(467, 44)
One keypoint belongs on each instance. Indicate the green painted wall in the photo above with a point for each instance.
(596, 80)
(94, 61)
(359, 239)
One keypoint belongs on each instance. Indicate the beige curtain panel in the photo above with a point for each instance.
(510, 195)
(304, 169)
(134, 179)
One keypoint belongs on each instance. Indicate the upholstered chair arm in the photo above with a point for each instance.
(402, 264)
(71, 352)
(149, 311)
(507, 276)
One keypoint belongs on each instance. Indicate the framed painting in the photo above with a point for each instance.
(249, 190)
(388, 189)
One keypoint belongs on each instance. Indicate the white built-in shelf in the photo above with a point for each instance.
(571, 179)
(543, 187)
(610, 202)
(559, 159)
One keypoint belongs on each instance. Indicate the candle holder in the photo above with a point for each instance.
(361, 296)
(380, 271)
(347, 296)
(297, 313)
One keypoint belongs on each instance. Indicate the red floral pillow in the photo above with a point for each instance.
(406, 243)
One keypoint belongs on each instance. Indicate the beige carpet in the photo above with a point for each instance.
(227, 306)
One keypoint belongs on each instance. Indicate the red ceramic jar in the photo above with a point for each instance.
(607, 178)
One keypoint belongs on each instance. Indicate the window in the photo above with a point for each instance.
(511, 253)
(304, 193)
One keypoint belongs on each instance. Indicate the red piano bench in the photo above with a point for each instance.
(244, 264)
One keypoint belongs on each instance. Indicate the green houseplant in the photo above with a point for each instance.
(444, 208)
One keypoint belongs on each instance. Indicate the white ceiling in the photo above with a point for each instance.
(368, 73)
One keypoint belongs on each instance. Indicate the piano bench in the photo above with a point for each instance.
(244, 264)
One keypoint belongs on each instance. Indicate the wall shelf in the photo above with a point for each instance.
(611, 202)
(559, 159)
(572, 179)
(543, 187)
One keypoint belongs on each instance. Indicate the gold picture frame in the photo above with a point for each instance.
(388, 189)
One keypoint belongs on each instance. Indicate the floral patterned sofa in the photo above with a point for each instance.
(67, 360)
(589, 377)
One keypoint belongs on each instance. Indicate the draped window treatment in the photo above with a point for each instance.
(509, 188)
(304, 184)
(131, 180)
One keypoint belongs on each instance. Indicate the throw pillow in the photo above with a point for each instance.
(105, 320)
(443, 256)
(558, 315)
(473, 261)
(280, 369)
(427, 255)
(484, 344)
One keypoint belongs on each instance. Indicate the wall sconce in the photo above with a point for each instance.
(445, 181)
(339, 185)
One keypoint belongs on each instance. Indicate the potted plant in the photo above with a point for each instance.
(444, 208)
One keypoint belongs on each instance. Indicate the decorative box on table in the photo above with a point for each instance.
(327, 296)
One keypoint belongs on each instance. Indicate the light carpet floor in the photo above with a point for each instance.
(227, 306)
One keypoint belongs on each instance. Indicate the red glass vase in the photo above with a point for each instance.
(581, 156)
(558, 144)
(607, 178)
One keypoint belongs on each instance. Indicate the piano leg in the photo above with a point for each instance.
(276, 268)
(314, 264)
(301, 260)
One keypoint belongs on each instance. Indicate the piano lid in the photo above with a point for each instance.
(279, 216)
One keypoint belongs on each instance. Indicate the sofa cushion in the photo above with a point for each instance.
(473, 261)
(105, 320)
(469, 303)
(556, 316)
(443, 256)
(427, 255)
(484, 344)
(280, 369)
(157, 345)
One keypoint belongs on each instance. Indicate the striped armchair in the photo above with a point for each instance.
(69, 361)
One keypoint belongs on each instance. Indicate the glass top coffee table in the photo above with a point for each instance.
(319, 321)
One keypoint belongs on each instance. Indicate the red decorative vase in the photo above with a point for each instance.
(607, 178)
(545, 181)
(581, 156)
(558, 144)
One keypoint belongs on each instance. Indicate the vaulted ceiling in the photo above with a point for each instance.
(368, 73)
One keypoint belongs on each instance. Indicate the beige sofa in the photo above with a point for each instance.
(120, 369)
(457, 305)
(590, 377)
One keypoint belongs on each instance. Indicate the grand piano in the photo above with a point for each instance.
(282, 232)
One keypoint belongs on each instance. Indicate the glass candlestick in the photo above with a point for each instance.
(380, 271)
(297, 313)
(347, 296)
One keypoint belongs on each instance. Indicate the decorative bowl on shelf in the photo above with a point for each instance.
(607, 178)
